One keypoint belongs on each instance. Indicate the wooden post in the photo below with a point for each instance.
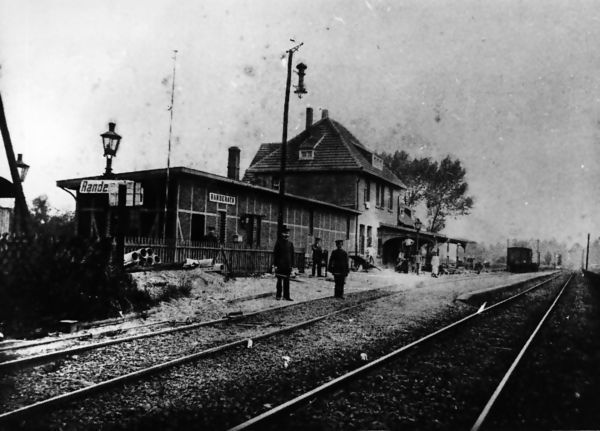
(286, 106)
(22, 224)
(587, 253)
(122, 212)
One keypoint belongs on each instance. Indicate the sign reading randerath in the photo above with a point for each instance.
(222, 199)
(135, 191)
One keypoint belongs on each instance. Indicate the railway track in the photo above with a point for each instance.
(276, 417)
(27, 360)
(88, 386)
(233, 333)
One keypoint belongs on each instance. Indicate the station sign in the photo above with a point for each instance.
(221, 199)
(97, 186)
(135, 191)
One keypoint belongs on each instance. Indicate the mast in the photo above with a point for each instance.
(171, 108)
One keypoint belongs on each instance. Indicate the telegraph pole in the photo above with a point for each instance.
(22, 218)
(587, 253)
(286, 105)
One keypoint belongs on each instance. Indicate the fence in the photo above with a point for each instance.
(240, 260)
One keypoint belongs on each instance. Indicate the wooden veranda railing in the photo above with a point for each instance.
(241, 260)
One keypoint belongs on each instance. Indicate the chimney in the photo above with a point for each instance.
(325, 114)
(309, 117)
(233, 164)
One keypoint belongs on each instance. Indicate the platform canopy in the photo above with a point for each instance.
(389, 231)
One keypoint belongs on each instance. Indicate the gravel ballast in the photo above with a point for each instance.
(221, 391)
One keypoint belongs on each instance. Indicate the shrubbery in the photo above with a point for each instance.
(43, 279)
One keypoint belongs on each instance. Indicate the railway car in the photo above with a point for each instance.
(519, 259)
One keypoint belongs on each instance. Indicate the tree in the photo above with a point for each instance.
(416, 174)
(548, 258)
(59, 224)
(442, 187)
(446, 194)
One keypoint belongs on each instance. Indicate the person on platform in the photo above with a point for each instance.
(418, 262)
(338, 266)
(283, 259)
(211, 236)
(317, 256)
(435, 265)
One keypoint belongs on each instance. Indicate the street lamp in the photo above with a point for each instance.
(22, 167)
(300, 90)
(418, 226)
(110, 143)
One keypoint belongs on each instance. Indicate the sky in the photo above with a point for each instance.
(511, 88)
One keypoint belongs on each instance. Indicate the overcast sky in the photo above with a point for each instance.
(511, 88)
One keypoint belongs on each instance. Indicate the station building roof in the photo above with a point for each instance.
(335, 149)
(73, 184)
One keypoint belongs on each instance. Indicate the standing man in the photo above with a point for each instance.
(283, 259)
(418, 262)
(338, 266)
(435, 264)
(211, 236)
(317, 256)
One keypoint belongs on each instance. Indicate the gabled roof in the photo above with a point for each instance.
(264, 150)
(337, 150)
(73, 183)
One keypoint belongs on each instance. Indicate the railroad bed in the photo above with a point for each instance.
(218, 383)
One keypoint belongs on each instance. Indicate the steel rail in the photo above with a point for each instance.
(80, 336)
(488, 407)
(98, 387)
(15, 348)
(352, 375)
(36, 359)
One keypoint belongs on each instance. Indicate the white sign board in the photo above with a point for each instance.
(97, 186)
(222, 199)
(135, 191)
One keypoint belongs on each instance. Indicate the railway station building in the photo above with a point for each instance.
(238, 212)
(336, 188)
(326, 162)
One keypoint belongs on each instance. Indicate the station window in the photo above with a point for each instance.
(198, 223)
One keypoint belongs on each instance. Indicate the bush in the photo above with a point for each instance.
(44, 279)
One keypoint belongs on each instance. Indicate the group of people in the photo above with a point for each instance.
(283, 260)
(415, 263)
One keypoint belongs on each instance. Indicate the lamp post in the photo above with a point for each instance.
(300, 90)
(21, 223)
(22, 169)
(418, 226)
(110, 143)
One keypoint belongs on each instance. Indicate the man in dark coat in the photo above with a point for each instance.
(338, 266)
(283, 259)
(317, 256)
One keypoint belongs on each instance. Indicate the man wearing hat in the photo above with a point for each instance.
(338, 266)
(317, 256)
(283, 259)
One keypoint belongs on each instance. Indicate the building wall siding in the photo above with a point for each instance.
(5, 217)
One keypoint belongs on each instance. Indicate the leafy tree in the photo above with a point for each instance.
(47, 221)
(548, 258)
(415, 173)
(446, 194)
(441, 186)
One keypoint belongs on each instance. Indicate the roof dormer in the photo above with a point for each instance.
(306, 150)
(377, 162)
(306, 154)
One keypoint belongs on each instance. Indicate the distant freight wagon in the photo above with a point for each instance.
(519, 259)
